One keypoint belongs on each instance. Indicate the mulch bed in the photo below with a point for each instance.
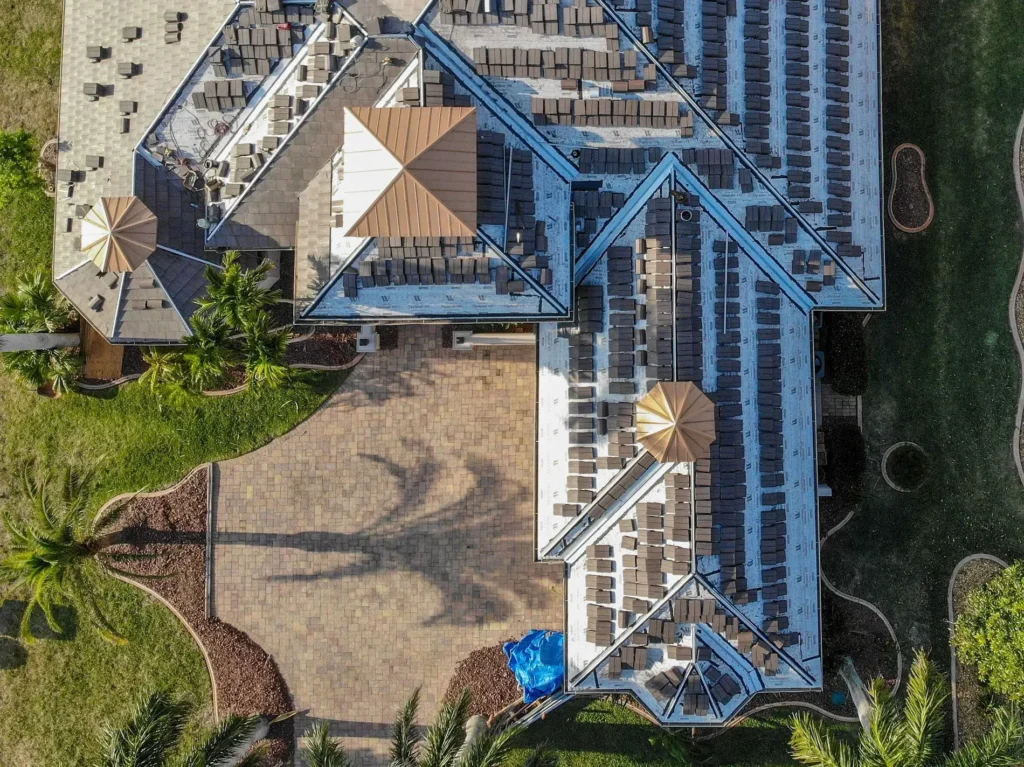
(910, 204)
(490, 681)
(173, 527)
(332, 348)
(970, 692)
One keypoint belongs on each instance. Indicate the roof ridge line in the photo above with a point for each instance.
(440, 136)
(322, 293)
(623, 217)
(743, 238)
(733, 146)
(758, 632)
(376, 138)
(620, 502)
(527, 277)
(643, 618)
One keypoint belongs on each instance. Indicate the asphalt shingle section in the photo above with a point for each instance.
(85, 284)
(313, 239)
(183, 279)
(147, 315)
(93, 127)
(266, 218)
(177, 210)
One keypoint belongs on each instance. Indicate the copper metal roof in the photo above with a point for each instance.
(434, 193)
(675, 421)
(119, 234)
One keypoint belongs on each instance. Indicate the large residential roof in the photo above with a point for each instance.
(410, 172)
(670, 212)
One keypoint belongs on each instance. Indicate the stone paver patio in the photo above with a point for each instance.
(390, 535)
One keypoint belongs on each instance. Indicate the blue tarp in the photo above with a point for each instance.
(538, 661)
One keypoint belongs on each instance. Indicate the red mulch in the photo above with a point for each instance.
(174, 528)
(910, 197)
(324, 348)
(487, 675)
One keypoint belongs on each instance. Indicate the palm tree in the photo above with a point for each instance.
(35, 306)
(444, 742)
(235, 294)
(163, 368)
(909, 738)
(63, 554)
(208, 353)
(153, 733)
(265, 349)
(321, 750)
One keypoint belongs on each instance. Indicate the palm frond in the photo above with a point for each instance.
(882, 744)
(149, 735)
(321, 750)
(812, 744)
(490, 749)
(1001, 746)
(444, 738)
(923, 711)
(220, 747)
(404, 733)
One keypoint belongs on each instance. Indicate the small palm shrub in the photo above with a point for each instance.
(910, 736)
(35, 306)
(264, 349)
(58, 550)
(235, 295)
(151, 736)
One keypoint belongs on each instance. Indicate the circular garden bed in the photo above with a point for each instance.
(910, 203)
(905, 467)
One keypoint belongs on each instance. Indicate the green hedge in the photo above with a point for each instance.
(989, 633)
(846, 461)
(846, 356)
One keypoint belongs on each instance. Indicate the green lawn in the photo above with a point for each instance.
(943, 367)
(30, 66)
(52, 707)
(602, 734)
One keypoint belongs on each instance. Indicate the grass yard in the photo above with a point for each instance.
(602, 734)
(52, 708)
(944, 372)
(30, 66)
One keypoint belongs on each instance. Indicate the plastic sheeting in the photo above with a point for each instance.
(538, 662)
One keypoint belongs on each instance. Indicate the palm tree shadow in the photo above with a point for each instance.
(467, 549)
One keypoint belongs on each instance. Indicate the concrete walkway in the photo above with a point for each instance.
(375, 546)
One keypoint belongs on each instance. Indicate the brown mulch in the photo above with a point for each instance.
(970, 692)
(324, 348)
(490, 681)
(910, 201)
(173, 527)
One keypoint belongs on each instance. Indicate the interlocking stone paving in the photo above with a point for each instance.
(390, 535)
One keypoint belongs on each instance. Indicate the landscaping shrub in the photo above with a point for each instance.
(17, 164)
(846, 461)
(988, 632)
(845, 348)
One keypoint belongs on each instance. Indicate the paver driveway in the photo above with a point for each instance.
(379, 543)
